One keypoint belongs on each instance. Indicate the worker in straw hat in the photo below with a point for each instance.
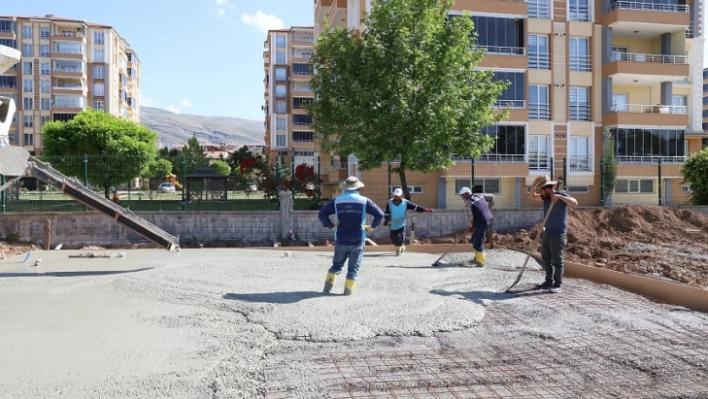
(350, 228)
(479, 218)
(395, 217)
(554, 236)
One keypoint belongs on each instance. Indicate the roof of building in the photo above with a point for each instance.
(51, 17)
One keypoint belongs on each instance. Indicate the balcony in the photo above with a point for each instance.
(322, 8)
(631, 69)
(68, 49)
(338, 14)
(504, 57)
(301, 56)
(337, 172)
(644, 114)
(539, 61)
(539, 111)
(514, 7)
(646, 19)
(69, 102)
(75, 85)
(69, 33)
(301, 39)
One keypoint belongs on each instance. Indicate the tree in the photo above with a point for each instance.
(695, 172)
(194, 156)
(155, 171)
(609, 164)
(118, 149)
(221, 167)
(275, 178)
(173, 155)
(407, 88)
(246, 167)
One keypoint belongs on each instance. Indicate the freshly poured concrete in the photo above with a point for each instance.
(204, 323)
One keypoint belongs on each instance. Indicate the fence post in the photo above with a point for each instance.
(659, 182)
(3, 199)
(292, 175)
(552, 166)
(565, 174)
(85, 177)
(472, 176)
(602, 182)
(388, 190)
(184, 179)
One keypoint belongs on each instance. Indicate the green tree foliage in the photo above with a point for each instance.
(221, 167)
(609, 163)
(246, 167)
(119, 150)
(695, 172)
(407, 88)
(174, 156)
(156, 172)
(194, 155)
(275, 178)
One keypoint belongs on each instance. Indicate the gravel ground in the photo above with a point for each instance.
(237, 323)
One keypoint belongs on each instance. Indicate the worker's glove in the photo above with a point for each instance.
(335, 226)
(470, 229)
(368, 228)
(428, 210)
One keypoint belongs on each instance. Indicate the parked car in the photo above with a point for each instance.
(167, 188)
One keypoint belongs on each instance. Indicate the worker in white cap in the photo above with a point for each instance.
(479, 218)
(395, 217)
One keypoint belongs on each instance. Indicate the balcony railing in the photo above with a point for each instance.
(539, 61)
(507, 158)
(579, 62)
(305, 39)
(503, 50)
(653, 58)
(68, 86)
(651, 159)
(69, 103)
(638, 6)
(580, 112)
(539, 111)
(338, 166)
(515, 104)
(302, 55)
(539, 162)
(578, 13)
(540, 9)
(650, 109)
(579, 163)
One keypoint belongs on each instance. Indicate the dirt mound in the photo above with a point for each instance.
(657, 241)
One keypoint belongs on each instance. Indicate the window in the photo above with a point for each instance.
(99, 55)
(302, 69)
(637, 186)
(500, 35)
(648, 145)
(99, 72)
(579, 54)
(487, 186)
(280, 123)
(26, 31)
(69, 66)
(281, 74)
(99, 105)
(538, 52)
(579, 104)
(578, 154)
(46, 104)
(679, 104)
(44, 68)
(44, 33)
(28, 121)
(509, 145)
(538, 103)
(27, 50)
(704, 143)
(28, 103)
(280, 91)
(302, 120)
(12, 43)
(44, 86)
(620, 102)
(63, 117)
(514, 95)
(280, 41)
(27, 68)
(300, 102)
(27, 85)
(280, 57)
(99, 38)
(29, 138)
(540, 9)
(579, 189)
(9, 82)
(281, 107)
(45, 119)
(99, 89)
(578, 10)
(73, 48)
(7, 26)
(538, 152)
(303, 137)
(280, 140)
(411, 189)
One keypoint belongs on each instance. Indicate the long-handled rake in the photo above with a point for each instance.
(437, 262)
(538, 239)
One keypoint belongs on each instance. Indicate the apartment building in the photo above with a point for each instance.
(288, 127)
(67, 66)
(574, 67)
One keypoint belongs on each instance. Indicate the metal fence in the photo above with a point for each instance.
(646, 181)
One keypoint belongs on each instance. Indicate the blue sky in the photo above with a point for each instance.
(201, 57)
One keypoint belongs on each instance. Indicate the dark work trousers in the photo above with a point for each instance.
(398, 236)
(478, 237)
(552, 246)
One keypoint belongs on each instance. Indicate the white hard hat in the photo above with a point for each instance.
(465, 190)
(397, 192)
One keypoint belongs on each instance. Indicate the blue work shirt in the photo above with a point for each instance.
(557, 222)
(350, 210)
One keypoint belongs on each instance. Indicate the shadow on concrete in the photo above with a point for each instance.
(479, 297)
(276, 297)
(72, 274)
(429, 266)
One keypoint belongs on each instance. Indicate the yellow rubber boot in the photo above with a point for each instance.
(480, 258)
(398, 251)
(329, 282)
(349, 287)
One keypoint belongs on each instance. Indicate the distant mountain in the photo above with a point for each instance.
(178, 128)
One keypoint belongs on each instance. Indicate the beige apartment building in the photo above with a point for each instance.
(67, 66)
(288, 128)
(575, 67)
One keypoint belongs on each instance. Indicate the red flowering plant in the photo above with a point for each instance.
(247, 168)
(275, 178)
(307, 182)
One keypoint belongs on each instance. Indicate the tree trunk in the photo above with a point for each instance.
(108, 195)
(404, 183)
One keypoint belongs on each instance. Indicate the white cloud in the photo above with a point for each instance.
(186, 103)
(146, 101)
(223, 3)
(220, 8)
(172, 109)
(264, 22)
